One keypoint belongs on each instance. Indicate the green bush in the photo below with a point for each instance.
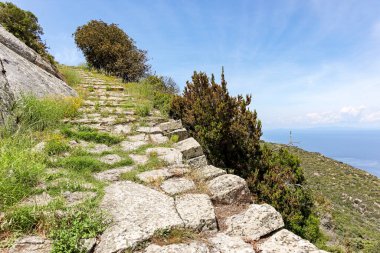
(225, 127)
(24, 25)
(20, 169)
(107, 47)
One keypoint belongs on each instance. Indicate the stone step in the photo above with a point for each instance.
(228, 189)
(110, 110)
(190, 148)
(104, 87)
(108, 98)
(103, 103)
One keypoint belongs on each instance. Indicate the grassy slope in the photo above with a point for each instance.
(348, 200)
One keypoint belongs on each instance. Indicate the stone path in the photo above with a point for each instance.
(182, 194)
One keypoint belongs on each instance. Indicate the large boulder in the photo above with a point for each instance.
(137, 212)
(255, 222)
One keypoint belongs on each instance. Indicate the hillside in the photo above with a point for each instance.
(348, 200)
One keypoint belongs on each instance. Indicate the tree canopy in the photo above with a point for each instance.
(106, 47)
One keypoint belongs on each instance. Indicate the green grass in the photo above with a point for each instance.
(20, 169)
(89, 134)
(71, 77)
(81, 163)
(56, 145)
(143, 110)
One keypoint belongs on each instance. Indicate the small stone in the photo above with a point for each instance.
(149, 130)
(169, 155)
(139, 159)
(209, 172)
(190, 148)
(110, 159)
(227, 189)
(174, 186)
(154, 175)
(31, 244)
(196, 211)
(122, 129)
(158, 138)
(222, 243)
(193, 247)
(75, 198)
(130, 145)
(39, 147)
(197, 162)
(255, 222)
(285, 241)
(99, 148)
(113, 174)
(170, 126)
(42, 199)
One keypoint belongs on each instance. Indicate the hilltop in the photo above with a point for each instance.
(348, 200)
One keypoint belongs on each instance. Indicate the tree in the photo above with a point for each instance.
(224, 125)
(108, 48)
(24, 25)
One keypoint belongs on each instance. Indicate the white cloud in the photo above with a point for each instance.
(371, 117)
(347, 114)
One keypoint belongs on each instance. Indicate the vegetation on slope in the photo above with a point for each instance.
(347, 199)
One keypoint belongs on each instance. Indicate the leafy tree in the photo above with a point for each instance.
(108, 48)
(227, 130)
(24, 25)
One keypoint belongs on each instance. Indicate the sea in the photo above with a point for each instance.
(358, 148)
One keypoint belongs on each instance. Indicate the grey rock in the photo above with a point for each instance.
(137, 137)
(137, 212)
(31, 244)
(154, 175)
(39, 147)
(75, 198)
(227, 189)
(42, 199)
(169, 155)
(158, 138)
(196, 211)
(222, 243)
(132, 145)
(209, 172)
(197, 162)
(193, 247)
(88, 245)
(255, 222)
(122, 129)
(285, 241)
(113, 174)
(110, 159)
(99, 148)
(139, 159)
(190, 148)
(149, 130)
(181, 133)
(174, 186)
(170, 126)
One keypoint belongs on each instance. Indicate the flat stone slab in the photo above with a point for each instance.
(75, 198)
(110, 159)
(122, 129)
(137, 137)
(222, 243)
(42, 199)
(196, 211)
(209, 172)
(139, 159)
(193, 247)
(158, 138)
(132, 145)
(154, 175)
(137, 212)
(285, 241)
(99, 148)
(255, 222)
(149, 130)
(190, 148)
(176, 185)
(113, 174)
(170, 125)
(31, 244)
(227, 189)
(169, 155)
(197, 162)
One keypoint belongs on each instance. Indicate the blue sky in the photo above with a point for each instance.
(307, 63)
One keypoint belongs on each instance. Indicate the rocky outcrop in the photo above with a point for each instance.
(23, 71)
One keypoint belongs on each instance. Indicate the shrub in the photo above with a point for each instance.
(107, 47)
(24, 25)
(280, 182)
(225, 127)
